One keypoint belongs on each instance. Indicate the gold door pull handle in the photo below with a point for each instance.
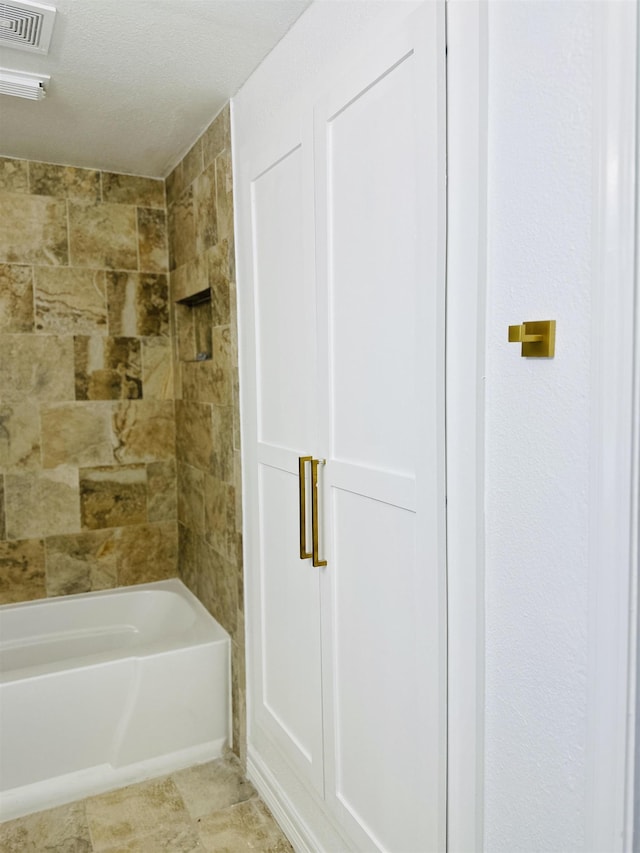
(302, 461)
(314, 510)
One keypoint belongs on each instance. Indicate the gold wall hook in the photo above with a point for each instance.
(538, 338)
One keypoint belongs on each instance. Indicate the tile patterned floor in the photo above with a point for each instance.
(206, 808)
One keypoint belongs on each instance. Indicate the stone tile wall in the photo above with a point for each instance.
(87, 426)
(110, 426)
(201, 251)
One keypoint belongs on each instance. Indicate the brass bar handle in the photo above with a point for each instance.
(302, 461)
(314, 510)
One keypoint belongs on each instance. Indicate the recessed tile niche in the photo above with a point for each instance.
(194, 326)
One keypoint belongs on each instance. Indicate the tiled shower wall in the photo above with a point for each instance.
(201, 250)
(87, 428)
(96, 354)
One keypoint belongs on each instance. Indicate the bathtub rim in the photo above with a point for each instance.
(204, 630)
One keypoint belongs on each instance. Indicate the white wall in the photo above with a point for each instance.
(537, 424)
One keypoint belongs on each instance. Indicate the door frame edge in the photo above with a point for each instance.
(467, 114)
(614, 435)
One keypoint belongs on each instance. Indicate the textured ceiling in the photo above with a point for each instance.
(134, 82)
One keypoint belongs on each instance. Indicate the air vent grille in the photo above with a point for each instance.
(26, 26)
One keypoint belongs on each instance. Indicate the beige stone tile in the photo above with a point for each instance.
(60, 830)
(191, 497)
(70, 301)
(233, 324)
(145, 430)
(237, 435)
(202, 329)
(237, 482)
(220, 516)
(14, 175)
(175, 184)
(157, 369)
(33, 230)
(131, 189)
(138, 304)
(219, 281)
(64, 182)
(239, 564)
(192, 277)
(217, 137)
(146, 817)
(107, 368)
(80, 562)
(16, 298)
(223, 349)
(182, 232)
(229, 591)
(147, 552)
(222, 459)
(153, 249)
(103, 235)
(194, 441)
(231, 260)
(206, 382)
(77, 434)
(216, 785)
(192, 163)
(162, 491)
(3, 528)
(189, 547)
(218, 587)
(245, 826)
(42, 503)
(160, 840)
(185, 339)
(224, 196)
(239, 691)
(175, 360)
(22, 576)
(204, 209)
(206, 576)
(113, 496)
(38, 367)
(19, 435)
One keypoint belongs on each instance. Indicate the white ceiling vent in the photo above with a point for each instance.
(26, 25)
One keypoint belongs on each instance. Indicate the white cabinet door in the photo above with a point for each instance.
(285, 655)
(380, 188)
(342, 234)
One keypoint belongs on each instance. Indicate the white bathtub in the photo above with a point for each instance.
(107, 688)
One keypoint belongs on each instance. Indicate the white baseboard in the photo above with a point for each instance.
(307, 827)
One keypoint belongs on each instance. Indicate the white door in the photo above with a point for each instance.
(342, 359)
(285, 657)
(380, 225)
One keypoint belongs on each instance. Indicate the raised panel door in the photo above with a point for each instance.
(379, 142)
(286, 651)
